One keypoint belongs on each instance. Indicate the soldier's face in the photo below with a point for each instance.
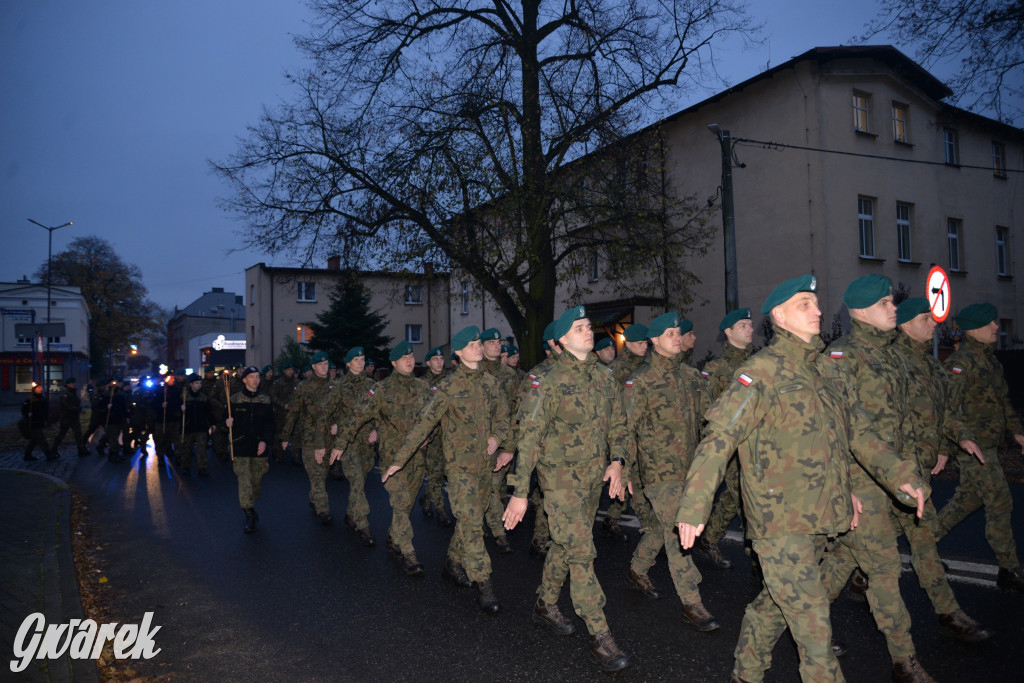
(670, 342)
(356, 365)
(637, 348)
(921, 328)
(740, 334)
(436, 364)
(251, 381)
(513, 361)
(881, 314)
(689, 340)
(289, 372)
(579, 340)
(987, 334)
(492, 349)
(473, 352)
(800, 315)
(405, 364)
(195, 386)
(321, 368)
(607, 354)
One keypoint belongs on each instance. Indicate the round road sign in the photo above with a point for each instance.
(937, 288)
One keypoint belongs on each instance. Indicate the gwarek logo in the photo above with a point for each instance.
(81, 639)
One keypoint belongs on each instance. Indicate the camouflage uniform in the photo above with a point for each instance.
(471, 408)
(877, 378)
(215, 391)
(720, 373)
(303, 415)
(566, 423)
(252, 416)
(198, 418)
(281, 395)
(351, 390)
(665, 402)
(70, 410)
(789, 415)
(433, 456)
(508, 382)
(981, 399)
(622, 367)
(541, 530)
(393, 404)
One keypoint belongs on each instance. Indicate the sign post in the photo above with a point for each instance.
(937, 289)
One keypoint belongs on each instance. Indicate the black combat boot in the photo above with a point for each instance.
(250, 520)
(486, 598)
(909, 670)
(539, 547)
(962, 627)
(456, 574)
(611, 528)
(549, 615)
(608, 654)
(1010, 579)
(412, 565)
(503, 545)
(713, 554)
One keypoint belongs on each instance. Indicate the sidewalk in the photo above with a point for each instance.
(37, 570)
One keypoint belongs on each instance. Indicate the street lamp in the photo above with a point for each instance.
(49, 285)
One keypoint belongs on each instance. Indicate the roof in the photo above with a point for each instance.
(215, 304)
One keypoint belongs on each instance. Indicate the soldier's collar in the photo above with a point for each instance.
(872, 334)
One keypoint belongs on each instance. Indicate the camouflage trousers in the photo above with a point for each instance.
(727, 506)
(793, 596)
(495, 508)
(317, 473)
(541, 531)
(570, 513)
(469, 493)
(434, 466)
(220, 443)
(924, 555)
(665, 498)
(197, 439)
(276, 446)
(983, 485)
(115, 437)
(250, 473)
(356, 463)
(402, 490)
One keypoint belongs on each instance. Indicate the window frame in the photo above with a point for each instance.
(1003, 251)
(955, 244)
(950, 146)
(998, 159)
(904, 244)
(861, 110)
(897, 122)
(305, 292)
(414, 295)
(303, 333)
(410, 337)
(465, 298)
(868, 220)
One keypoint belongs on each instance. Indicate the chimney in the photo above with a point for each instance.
(334, 262)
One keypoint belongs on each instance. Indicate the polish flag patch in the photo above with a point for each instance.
(370, 391)
(535, 383)
(744, 379)
(433, 388)
(958, 371)
(705, 373)
(835, 354)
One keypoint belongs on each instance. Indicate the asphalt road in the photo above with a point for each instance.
(298, 601)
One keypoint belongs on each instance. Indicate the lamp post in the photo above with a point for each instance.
(728, 219)
(49, 286)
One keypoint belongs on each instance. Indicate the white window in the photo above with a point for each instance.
(900, 114)
(1002, 251)
(306, 291)
(903, 232)
(303, 333)
(23, 379)
(951, 147)
(465, 298)
(861, 112)
(998, 160)
(954, 233)
(866, 219)
(414, 334)
(413, 295)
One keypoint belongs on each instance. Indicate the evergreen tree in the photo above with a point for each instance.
(349, 322)
(292, 353)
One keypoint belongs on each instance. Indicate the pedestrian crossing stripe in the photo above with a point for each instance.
(835, 354)
(744, 379)
(958, 371)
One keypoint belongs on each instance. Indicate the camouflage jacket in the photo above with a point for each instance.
(980, 394)
(625, 365)
(471, 408)
(70, 405)
(512, 441)
(252, 422)
(720, 371)
(507, 378)
(665, 402)
(568, 420)
(304, 413)
(393, 404)
(198, 414)
(281, 393)
(928, 409)
(215, 390)
(789, 414)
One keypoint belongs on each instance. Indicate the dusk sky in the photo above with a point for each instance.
(110, 110)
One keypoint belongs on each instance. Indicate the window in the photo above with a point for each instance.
(954, 233)
(1005, 333)
(414, 334)
(306, 291)
(252, 295)
(900, 114)
(465, 298)
(903, 231)
(998, 160)
(1002, 251)
(23, 379)
(593, 267)
(303, 333)
(861, 112)
(413, 295)
(951, 146)
(866, 219)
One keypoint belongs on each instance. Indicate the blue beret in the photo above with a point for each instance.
(976, 315)
(867, 291)
(636, 333)
(402, 348)
(787, 290)
(464, 336)
(911, 308)
(604, 343)
(663, 322)
(733, 317)
(319, 357)
(354, 352)
(565, 321)
(490, 334)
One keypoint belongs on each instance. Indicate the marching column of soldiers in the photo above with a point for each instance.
(826, 456)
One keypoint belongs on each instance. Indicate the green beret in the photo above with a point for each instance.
(69, 380)
(194, 378)
(266, 369)
(974, 316)
(733, 317)
(354, 352)
(513, 350)
(208, 368)
(636, 333)
(402, 348)
(547, 347)
(306, 368)
(436, 351)
(370, 362)
(295, 366)
(504, 348)
(565, 321)
(549, 332)
(331, 365)
(662, 323)
(490, 334)
(604, 343)
(464, 336)
(787, 290)
(684, 327)
(867, 291)
(911, 308)
(319, 357)
(180, 372)
(453, 356)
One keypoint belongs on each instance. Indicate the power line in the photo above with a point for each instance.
(783, 145)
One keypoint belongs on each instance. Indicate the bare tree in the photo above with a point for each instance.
(475, 133)
(986, 36)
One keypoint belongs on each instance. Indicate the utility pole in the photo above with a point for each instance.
(49, 286)
(728, 219)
